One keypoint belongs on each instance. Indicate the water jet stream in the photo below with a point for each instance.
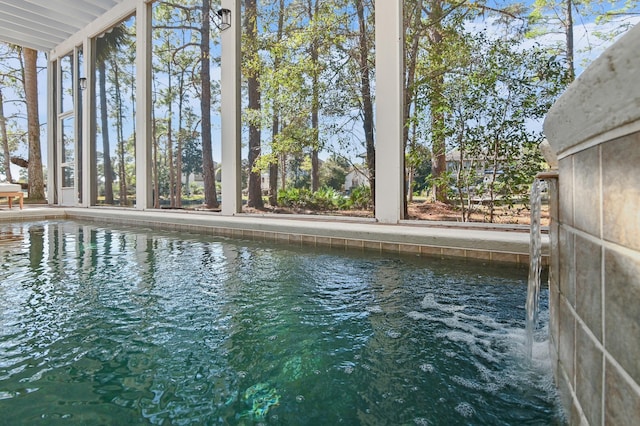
(535, 265)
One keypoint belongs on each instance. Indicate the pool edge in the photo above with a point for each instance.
(430, 241)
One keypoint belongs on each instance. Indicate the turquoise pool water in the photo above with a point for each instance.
(123, 326)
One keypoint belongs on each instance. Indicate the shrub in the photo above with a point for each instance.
(295, 197)
(360, 197)
(327, 198)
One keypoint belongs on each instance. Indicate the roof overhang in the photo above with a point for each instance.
(44, 24)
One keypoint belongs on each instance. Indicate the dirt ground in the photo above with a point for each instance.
(423, 210)
(520, 215)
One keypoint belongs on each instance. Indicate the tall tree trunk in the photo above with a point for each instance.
(104, 119)
(411, 172)
(315, 161)
(180, 140)
(438, 148)
(494, 176)
(411, 60)
(273, 167)
(315, 102)
(208, 168)
(122, 173)
(283, 171)
(569, 39)
(253, 91)
(36, 175)
(275, 122)
(172, 173)
(367, 103)
(5, 141)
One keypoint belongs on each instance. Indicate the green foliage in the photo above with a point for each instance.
(196, 189)
(333, 172)
(360, 198)
(327, 199)
(418, 158)
(489, 98)
(301, 198)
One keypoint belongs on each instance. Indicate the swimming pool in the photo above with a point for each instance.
(134, 326)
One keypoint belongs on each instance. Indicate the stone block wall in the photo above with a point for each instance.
(595, 240)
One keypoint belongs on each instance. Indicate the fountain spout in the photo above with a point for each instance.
(543, 180)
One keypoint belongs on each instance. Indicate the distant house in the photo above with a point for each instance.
(479, 164)
(453, 159)
(197, 179)
(356, 177)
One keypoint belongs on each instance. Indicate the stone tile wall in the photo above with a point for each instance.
(595, 282)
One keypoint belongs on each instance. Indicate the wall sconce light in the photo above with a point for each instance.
(83, 82)
(224, 19)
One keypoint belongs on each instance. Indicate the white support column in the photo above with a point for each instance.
(89, 183)
(389, 106)
(230, 111)
(52, 166)
(86, 95)
(143, 106)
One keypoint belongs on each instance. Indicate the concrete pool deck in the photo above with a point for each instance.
(489, 242)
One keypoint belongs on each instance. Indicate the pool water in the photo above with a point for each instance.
(134, 326)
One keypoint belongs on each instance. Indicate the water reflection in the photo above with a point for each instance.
(163, 327)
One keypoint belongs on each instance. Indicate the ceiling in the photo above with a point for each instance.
(43, 24)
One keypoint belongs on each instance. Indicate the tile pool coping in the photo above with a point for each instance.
(494, 243)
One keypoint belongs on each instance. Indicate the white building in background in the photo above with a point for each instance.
(355, 178)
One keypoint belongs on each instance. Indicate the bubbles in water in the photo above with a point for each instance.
(421, 421)
(375, 309)
(272, 338)
(347, 367)
(427, 368)
(393, 334)
(429, 301)
(470, 384)
(242, 374)
(417, 315)
(459, 336)
(296, 309)
(465, 409)
(299, 398)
